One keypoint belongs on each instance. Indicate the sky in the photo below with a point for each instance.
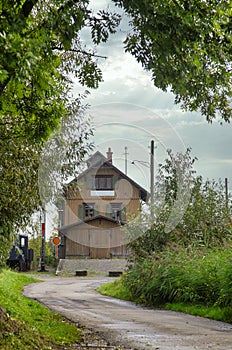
(128, 111)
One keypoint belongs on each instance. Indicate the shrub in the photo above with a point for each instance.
(184, 276)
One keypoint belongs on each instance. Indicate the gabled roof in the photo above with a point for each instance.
(66, 228)
(98, 159)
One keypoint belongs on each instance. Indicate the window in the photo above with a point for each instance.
(103, 182)
(116, 211)
(88, 210)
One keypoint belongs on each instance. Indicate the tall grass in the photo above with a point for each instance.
(201, 278)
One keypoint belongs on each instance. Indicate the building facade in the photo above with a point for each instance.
(98, 203)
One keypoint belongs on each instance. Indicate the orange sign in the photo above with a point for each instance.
(56, 240)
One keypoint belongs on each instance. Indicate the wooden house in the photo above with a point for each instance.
(98, 203)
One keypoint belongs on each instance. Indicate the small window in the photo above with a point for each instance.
(116, 211)
(103, 182)
(88, 210)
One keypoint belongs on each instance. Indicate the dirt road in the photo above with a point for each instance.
(125, 323)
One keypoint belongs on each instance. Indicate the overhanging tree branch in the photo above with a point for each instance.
(59, 48)
(28, 6)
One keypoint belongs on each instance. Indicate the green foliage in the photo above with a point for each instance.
(172, 193)
(188, 211)
(18, 191)
(119, 289)
(115, 289)
(223, 314)
(187, 262)
(70, 141)
(18, 184)
(40, 48)
(31, 172)
(206, 221)
(187, 47)
(29, 325)
(189, 277)
(35, 244)
(5, 246)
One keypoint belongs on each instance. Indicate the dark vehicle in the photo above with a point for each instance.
(20, 256)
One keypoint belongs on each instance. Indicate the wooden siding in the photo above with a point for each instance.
(124, 192)
(98, 240)
(100, 237)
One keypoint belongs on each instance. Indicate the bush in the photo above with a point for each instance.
(190, 277)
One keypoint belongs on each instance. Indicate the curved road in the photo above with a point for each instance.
(125, 323)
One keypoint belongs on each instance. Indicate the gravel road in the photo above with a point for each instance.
(127, 324)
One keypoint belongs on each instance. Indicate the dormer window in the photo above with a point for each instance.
(102, 185)
(103, 182)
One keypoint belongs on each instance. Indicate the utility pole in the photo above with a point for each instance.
(152, 179)
(126, 154)
(151, 166)
(43, 239)
(60, 224)
(227, 195)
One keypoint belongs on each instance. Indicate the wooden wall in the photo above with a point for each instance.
(100, 240)
(124, 193)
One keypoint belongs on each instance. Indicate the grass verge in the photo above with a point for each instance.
(26, 324)
(117, 289)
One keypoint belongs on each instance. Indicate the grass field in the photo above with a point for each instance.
(27, 325)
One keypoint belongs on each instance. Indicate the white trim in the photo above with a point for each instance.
(102, 193)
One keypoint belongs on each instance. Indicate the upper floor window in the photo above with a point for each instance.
(88, 210)
(103, 182)
(116, 213)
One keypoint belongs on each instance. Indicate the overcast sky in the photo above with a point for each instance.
(129, 111)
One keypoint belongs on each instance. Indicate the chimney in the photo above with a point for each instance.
(109, 155)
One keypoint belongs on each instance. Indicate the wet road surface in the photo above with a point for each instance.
(125, 323)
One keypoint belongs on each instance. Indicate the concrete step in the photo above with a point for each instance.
(68, 267)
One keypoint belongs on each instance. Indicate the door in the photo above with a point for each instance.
(99, 243)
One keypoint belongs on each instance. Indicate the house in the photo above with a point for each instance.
(97, 205)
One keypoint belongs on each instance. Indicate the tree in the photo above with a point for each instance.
(40, 48)
(32, 174)
(188, 211)
(207, 218)
(172, 193)
(18, 192)
(187, 47)
(185, 44)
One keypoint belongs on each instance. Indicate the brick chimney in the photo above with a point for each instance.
(109, 155)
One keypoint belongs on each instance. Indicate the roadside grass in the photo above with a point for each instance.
(117, 289)
(26, 324)
(217, 313)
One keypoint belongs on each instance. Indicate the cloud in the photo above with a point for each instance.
(128, 96)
